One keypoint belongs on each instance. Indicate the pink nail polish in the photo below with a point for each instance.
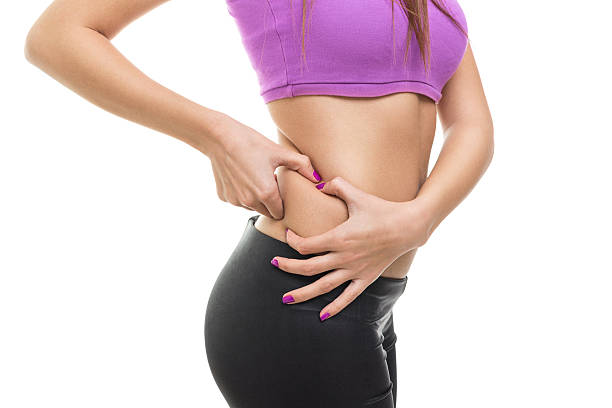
(320, 186)
(316, 175)
(288, 299)
(274, 262)
(325, 316)
(286, 230)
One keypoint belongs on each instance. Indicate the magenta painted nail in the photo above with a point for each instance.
(286, 230)
(320, 186)
(325, 316)
(288, 299)
(274, 262)
(316, 175)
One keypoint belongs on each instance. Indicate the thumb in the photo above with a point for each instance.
(300, 163)
(342, 189)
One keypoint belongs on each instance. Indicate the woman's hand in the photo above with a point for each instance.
(244, 163)
(376, 233)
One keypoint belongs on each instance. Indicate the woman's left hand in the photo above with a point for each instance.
(376, 233)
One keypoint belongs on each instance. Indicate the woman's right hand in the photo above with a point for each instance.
(71, 42)
(244, 162)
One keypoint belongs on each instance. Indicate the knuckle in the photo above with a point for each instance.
(341, 239)
(305, 160)
(268, 194)
(350, 257)
(232, 200)
(308, 269)
(355, 291)
(327, 285)
(240, 198)
(249, 201)
(360, 268)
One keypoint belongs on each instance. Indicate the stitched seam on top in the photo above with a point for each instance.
(355, 83)
(280, 41)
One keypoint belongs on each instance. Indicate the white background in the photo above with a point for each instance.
(111, 235)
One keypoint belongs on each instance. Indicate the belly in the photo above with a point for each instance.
(380, 145)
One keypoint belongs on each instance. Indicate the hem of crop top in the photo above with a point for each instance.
(351, 89)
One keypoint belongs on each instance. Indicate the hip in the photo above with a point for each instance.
(255, 283)
(262, 352)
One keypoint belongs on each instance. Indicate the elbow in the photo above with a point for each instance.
(30, 48)
(478, 134)
(44, 41)
(485, 132)
(34, 47)
(490, 134)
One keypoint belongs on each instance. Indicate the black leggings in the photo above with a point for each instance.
(266, 354)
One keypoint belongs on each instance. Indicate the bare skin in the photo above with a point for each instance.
(372, 153)
(71, 41)
(392, 209)
(381, 145)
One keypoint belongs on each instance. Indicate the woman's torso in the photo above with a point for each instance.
(381, 145)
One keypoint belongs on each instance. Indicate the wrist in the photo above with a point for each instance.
(420, 217)
(213, 135)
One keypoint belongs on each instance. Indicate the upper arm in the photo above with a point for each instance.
(108, 17)
(464, 98)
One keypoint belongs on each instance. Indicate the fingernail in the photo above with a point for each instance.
(316, 175)
(320, 186)
(288, 299)
(325, 316)
(274, 262)
(286, 230)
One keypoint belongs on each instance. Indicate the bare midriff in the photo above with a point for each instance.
(381, 145)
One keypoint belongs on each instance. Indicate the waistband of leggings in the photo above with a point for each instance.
(383, 287)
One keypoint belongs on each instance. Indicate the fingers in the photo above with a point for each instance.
(219, 185)
(267, 203)
(325, 284)
(260, 208)
(300, 163)
(273, 202)
(306, 267)
(330, 240)
(267, 199)
(350, 293)
(341, 188)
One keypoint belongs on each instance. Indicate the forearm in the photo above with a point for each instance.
(465, 156)
(85, 61)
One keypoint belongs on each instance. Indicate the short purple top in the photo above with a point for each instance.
(349, 47)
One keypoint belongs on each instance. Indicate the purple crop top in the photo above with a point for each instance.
(348, 45)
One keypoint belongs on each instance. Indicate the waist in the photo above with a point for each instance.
(275, 229)
(309, 212)
(380, 145)
(371, 306)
